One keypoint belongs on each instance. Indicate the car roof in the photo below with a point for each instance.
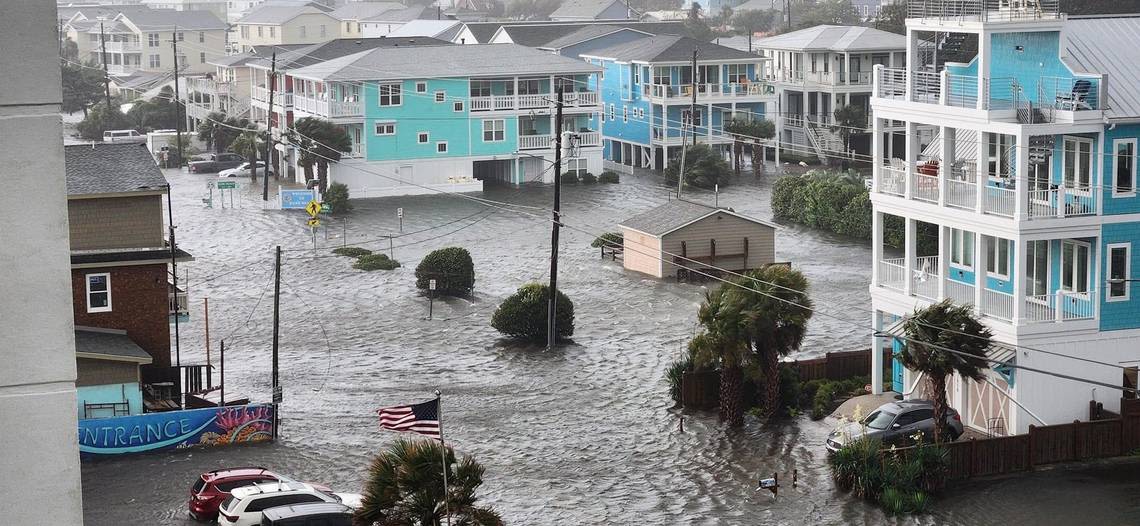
(303, 510)
(270, 487)
(242, 472)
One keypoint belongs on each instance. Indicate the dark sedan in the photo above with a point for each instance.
(895, 423)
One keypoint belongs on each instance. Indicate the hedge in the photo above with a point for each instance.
(523, 315)
(452, 270)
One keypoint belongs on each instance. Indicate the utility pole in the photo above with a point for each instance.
(552, 308)
(276, 324)
(174, 273)
(788, 8)
(269, 128)
(177, 101)
(691, 124)
(106, 74)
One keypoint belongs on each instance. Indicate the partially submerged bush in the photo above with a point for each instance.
(523, 315)
(609, 176)
(900, 481)
(569, 178)
(452, 270)
(589, 178)
(609, 239)
(337, 198)
(352, 252)
(375, 262)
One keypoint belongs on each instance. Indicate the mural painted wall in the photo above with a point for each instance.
(176, 430)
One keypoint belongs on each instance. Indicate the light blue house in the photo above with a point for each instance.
(107, 365)
(453, 117)
(647, 88)
(1017, 191)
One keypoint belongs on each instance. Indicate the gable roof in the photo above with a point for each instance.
(444, 29)
(584, 34)
(448, 61)
(113, 168)
(405, 14)
(676, 214)
(669, 48)
(587, 9)
(835, 38)
(1108, 45)
(147, 19)
(278, 14)
(362, 10)
(309, 54)
(108, 344)
(538, 34)
(483, 31)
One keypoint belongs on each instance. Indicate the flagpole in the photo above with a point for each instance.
(443, 454)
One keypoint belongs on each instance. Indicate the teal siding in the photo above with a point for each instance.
(109, 394)
(1038, 56)
(1118, 315)
(1117, 205)
(419, 112)
(507, 146)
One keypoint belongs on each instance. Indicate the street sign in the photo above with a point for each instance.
(313, 208)
(326, 208)
(277, 395)
(227, 185)
(314, 222)
(295, 199)
(400, 213)
(431, 284)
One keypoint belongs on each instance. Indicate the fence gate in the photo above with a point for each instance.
(987, 407)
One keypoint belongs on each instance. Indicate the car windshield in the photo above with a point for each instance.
(879, 419)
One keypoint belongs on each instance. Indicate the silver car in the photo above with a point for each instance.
(895, 423)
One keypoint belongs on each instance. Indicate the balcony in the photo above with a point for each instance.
(281, 99)
(545, 141)
(724, 90)
(130, 46)
(822, 78)
(530, 101)
(984, 10)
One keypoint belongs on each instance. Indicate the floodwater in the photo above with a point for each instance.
(579, 435)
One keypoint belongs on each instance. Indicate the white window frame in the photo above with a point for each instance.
(202, 57)
(498, 130)
(423, 137)
(388, 86)
(440, 96)
(389, 128)
(1127, 271)
(201, 37)
(1116, 192)
(1078, 186)
(152, 40)
(107, 279)
(443, 144)
(323, 31)
(457, 107)
(1031, 265)
(995, 260)
(421, 87)
(1088, 266)
(958, 240)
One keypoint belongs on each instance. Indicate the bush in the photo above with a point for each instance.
(789, 390)
(674, 375)
(523, 314)
(899, 481)
(336, 195)
(352, 252)
(704, 168)
(609, 239)
(589, 178)
(452, 270)
(375, 262)
(609, 176)
(569, 178)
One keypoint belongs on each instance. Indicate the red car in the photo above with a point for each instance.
(213, 487)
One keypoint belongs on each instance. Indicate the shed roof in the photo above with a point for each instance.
(450, 61)
(677, 214)
(835, 38)
(669, 48)
(1108, 45)
(114, 168)
(108, 344)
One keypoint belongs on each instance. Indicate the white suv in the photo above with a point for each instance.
(245, 504)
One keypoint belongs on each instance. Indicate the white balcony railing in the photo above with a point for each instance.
(983, 10)
(131, 46)
(961, 194)
(924, 279)
(578, 98)
(892, 273)
(721, 89)
(1060, 306)
(892, 180)
(339, 108)
(1000, 201)
(997, 304)
(535, 142)
(1061, 202)
(281, 99)
(527, 102)
(960, 293)
(925, 187)
(589, 138)
(493, 103)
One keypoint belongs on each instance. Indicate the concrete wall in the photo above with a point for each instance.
(116, 222)
(40, 453)
(729, 232)
(140, 305)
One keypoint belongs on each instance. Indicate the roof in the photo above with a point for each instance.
(270, 487)
(304, 510)
(154, 19)
(584, 34)
(126, 255)
(835, 38)
(676, 214)
(737, 42)
(362, 10)
(239, 59)
(445, 29)
(277, 14)
(310, 54)
(587, 9)
(483, 31)
(669, 48)
(450, 61)
(759, 5)
(406, 14)
(108, 344)
(102, 168)
(1107, 45)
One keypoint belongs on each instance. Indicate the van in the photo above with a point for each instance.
(123, 136)
(315, 514)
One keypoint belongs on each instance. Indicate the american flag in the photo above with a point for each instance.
(419, 418)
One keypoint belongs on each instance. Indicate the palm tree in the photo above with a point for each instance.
(775, 306)
(325, 143)
(755, 129)
(929, 333)
(405, 488)
(211, 129)
(247, 145)
(722, 345)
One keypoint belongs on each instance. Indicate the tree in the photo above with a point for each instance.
(749, 21)
(722, 345)
(929, 332)
(452, 270)
(847, 119)
(821, 12)
(704, 167)
(82, 87)
(100, 119)
(524, 314)
(322, 142)
(531, 9)
(892, 17)
(211, 129)
(405, 488)
(160, 112)
(70, 50)
(696, 27)
(755, 129)
(248, 144)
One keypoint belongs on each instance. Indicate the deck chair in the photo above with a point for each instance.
(1077, 99)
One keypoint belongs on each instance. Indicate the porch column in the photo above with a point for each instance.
(982, 167)
(876, 152)
(846, 69)
(983, 67)
(911, 155)
(911, 59)
(910, 246)
(709, 123)
(819, 106)
(943, 260)
(780, 105)
(980, 244)
(876, 245)
(1021, 179)
(944, 170)
(876, 354)
(1016, 274)
(1107, 179)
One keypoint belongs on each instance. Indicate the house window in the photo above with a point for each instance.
(201, 37)
(576, 165)
(180, 36)
(494, 130)
(962, 248)
(1124, 168)
(348, 27)
(422, 137)
(441, 147)
(245, 31)
(1119, 261)
(636, 73)
(99, 292)
(202, 57)
(688, 120)
(480, 88)
(152, 39)
(1077, 158)
(736, 72)
(530, 87)
(1074, 266)
(661, 75)
(155, 61)
(1037, 269)
(1000, 155)
(259, 34)
(440, 96)
(385, 128)
(457, 106)
(421, 87)
(997, 257)
(390, 95)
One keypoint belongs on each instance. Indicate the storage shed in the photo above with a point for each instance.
(680, 236)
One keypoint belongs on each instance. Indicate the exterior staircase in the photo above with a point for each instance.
(824, 141)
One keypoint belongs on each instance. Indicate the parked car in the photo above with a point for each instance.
(242, 170)
(245, 505)
(123, 136)
(315, 514)
(213, 487)
(215, 162)
(895, 423)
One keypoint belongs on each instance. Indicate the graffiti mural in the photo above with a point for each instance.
(214, 426)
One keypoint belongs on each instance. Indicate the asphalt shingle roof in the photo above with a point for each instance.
(154, 19)
(669, 48)
(363, 10)
(483, 31)
(835, 38)
(103, 168)
(670, 216)
(451, 61)
(272, 14)
(584, 8)
(406, 14)
(310, 54)
(110, 343)
(427, 28)
(583, 34)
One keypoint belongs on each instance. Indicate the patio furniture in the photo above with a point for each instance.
(1077, 99)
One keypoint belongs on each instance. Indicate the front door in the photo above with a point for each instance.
(897, 369)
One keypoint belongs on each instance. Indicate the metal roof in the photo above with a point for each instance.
(449, 61)
(669, 48)
(586, 8)
(362, 10)
(1108, 46)
(835, 38)
(108, 344)
(676, 214)
(111, 168)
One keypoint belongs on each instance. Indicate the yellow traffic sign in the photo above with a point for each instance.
(313, 208)
(314, 222)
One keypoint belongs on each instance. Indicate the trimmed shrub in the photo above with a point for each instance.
(569, 178)
(375, 262)
(674, 375)
(609, 176)
(609, 239)
(336, 195)
(452, 270)
(589, 178)
(352, 252)
(523, 315)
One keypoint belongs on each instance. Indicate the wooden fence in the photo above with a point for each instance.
(1077, 441)
(840, 365)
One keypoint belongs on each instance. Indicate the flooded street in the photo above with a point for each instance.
(581, 435)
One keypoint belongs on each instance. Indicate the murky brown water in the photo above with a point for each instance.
(581, 435)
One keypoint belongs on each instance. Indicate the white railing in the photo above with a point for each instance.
(580, 98)
(892, 273)
(123, 47)
(892, 83)
(540, 100)
(999, 201)
(357, 150)
(589, 138)
(983, 10)
(535, 142)
(346, 109)
(1061, 202)
(961, 194)
(961, 91)
(997, 304)
(926, 86)
(924, 279)
(925, 187)
(960, 293)
(1060, 306)
(493, 103)
(259, 93)
(892, 180)
(726, 89)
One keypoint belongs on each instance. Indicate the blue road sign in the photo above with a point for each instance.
(296, 199)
